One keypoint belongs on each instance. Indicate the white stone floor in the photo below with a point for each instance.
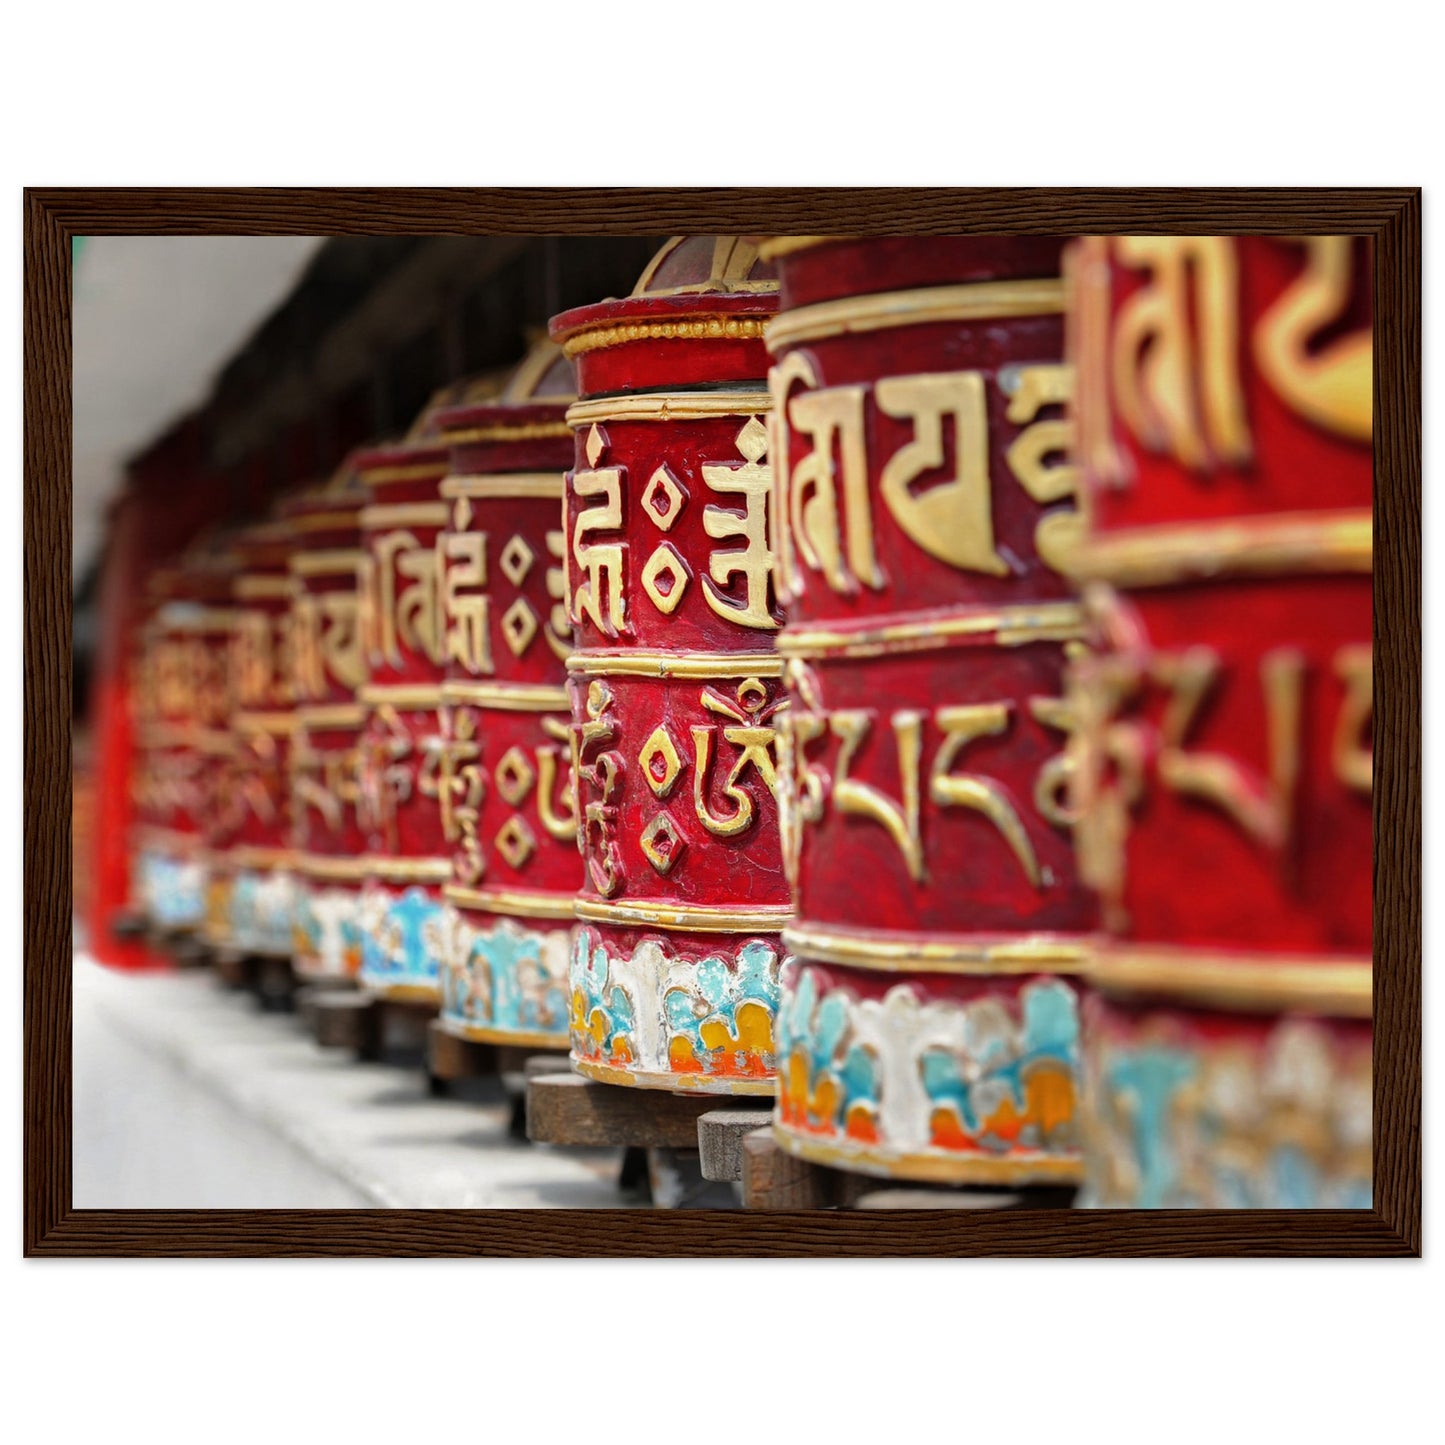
(188, 1096)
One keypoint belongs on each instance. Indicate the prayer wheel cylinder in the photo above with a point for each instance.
(408, 860)
(185, 740)
(929, 1027)
(253, 886)
(329, 571)
(503, 787)
(675, 683)
(1224, 750)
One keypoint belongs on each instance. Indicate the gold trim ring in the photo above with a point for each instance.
(547, 486)
(523, 903)
(1244, 547)
(704, 328)
(670, 406)
(896, 952)
(690, 666)
(506, 696)
(1003, 626)
(1249, 983)
(979, 301)
(684, 917)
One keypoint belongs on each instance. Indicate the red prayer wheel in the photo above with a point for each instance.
(925, 516)
(329, 571)
(503, 774)
(408, 858)
(252, 896)
(1224, 761)
(185, 742)
(675, 684)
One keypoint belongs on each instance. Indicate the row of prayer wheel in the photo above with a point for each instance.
(926, 679)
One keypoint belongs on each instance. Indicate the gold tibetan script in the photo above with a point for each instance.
(598, 594)
(1175, 361)
(411, 615)
(465, 604)
(753, 482)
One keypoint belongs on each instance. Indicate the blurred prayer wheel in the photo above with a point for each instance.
(925, 515)
(675, 684)
(328, 668)
(1225, 743)
(185, 742)
(502, 780)
(408, 859)
(253, 884)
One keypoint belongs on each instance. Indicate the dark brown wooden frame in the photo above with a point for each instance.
(54, 1227)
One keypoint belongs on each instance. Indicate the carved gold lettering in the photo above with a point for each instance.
(1177, 388)
(952, 520)
(899, 820)
(753, 482)
(1059, 532)
(962, 726)
(1262, 807)
(600, 596)
(1331, 387)
(832, 530)
(467, 638)
(558, 627)
(1353, 752)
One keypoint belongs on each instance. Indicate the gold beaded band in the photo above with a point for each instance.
(696, 328)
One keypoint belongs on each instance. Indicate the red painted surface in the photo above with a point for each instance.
(870, 265)
(1195, 873)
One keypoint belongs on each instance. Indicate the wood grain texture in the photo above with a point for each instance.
(568, 1109)
(53, 1227)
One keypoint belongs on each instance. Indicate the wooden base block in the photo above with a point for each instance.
(234, 968)
(450, 1057)
(348, 1021)
(129, 925)
(568, 1109)
(189, 952)
(275, 983)
(720, 1135)
(774, 1179)
(307, 995)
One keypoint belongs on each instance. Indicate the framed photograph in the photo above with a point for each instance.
(847, 717)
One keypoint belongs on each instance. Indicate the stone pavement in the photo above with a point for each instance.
(188, 1096)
